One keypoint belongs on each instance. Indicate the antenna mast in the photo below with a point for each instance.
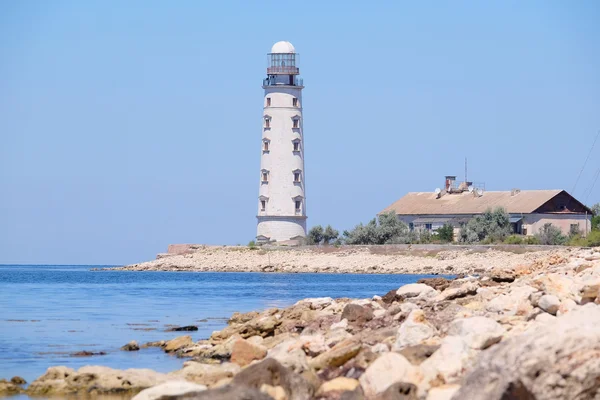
(466, 170)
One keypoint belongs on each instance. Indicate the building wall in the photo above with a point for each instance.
(281, 161)
(533, 222)
(281, 228)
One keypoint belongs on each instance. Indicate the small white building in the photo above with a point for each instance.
(455, 204)
(281, 201)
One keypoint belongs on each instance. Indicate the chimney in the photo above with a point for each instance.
(450, 179)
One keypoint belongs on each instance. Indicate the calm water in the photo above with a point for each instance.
(49, 312)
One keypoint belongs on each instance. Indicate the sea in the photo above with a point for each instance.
(50, 312)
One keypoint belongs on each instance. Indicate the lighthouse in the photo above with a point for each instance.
(281, 201)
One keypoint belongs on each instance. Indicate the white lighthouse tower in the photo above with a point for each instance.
(281, 201)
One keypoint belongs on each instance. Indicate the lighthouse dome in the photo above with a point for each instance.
(283, 47)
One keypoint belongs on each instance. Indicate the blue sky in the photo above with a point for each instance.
(126, 126)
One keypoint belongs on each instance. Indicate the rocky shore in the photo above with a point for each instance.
(448, 260)
(516, 331)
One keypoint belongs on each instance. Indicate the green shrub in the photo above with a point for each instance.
(596, 223)
(531, 240)
(491, 227)
(330, 234)
(445, 234)
(315, 234)
(551, 235)
(591, 240)
(252, 245)
(514, 239)
(389, 230)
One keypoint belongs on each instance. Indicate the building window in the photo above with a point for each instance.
(295, 102)
(574, 229)
(267, 122)
(296, 123)
(298, 205)
(296, 145)
(268, 102)
(265, 176)
(263, 205)
(265, 146)
(428, 227)
(296, 176)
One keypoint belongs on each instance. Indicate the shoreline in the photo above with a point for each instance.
(509, 333)
(413, 260)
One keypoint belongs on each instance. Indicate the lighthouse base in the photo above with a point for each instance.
(271, 228)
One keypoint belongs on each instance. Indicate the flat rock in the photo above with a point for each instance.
(466, 289)
(9, 388)
(206, 374)
(188, 328)
(340, 384)
(337, 355)
(478, 332)
(438, 283)
(177, 343)
(418, 353)
(101, 380)
(419, 290)
(131, 346)
(170, 389)
(244, 352)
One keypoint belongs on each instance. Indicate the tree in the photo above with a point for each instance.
(492, 226)
(446, 233)
(596, 217)
(330, 234)
(389, 230)
(315, 234)
(550, 235)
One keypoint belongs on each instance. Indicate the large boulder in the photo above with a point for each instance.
(549, 361)
(272, 373)
(357, 314)
(549, 303)
(290, 354)
(386, 370)
(414, 330)
(244, 352)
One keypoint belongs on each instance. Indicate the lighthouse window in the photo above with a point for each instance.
(265, 177)
(263, 205)
(296, 146)
(267, 123)
(295, 102)
(298, 205)
(265, 146)
(296, 176)
(296, 123)
(268, 102)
